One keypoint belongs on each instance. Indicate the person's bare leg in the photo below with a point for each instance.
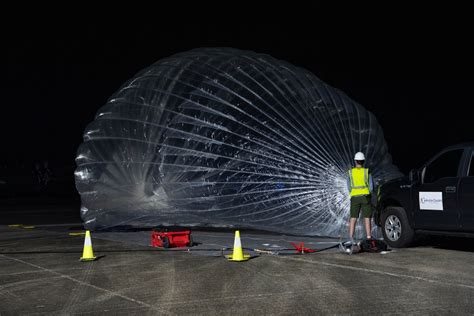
(352, 225)
(368, 229)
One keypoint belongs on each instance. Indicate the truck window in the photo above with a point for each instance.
(444, 166)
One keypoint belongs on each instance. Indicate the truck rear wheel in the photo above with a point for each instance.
(396, 229)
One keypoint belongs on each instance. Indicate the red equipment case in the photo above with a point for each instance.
(171, 239)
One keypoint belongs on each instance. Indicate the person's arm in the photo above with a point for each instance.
(371, 184)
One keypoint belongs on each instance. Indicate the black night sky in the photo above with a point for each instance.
(417, 81)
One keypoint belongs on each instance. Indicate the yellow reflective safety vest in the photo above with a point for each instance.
(359, 178)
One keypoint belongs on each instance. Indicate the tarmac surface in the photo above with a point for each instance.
(40, 274)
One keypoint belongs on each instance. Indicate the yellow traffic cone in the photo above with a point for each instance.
(88, 254)
(238, 254)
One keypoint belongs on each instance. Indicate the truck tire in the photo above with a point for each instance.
(396, 229)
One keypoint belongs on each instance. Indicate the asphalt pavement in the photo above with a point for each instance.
(40, 273)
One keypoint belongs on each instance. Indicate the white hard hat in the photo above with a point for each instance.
(359, 156)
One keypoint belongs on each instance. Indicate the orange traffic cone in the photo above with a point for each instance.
(88, 253)
(238, 254)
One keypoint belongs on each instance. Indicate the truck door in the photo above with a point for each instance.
(466, 195)
(435, 199)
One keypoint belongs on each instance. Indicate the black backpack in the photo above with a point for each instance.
(373, 245)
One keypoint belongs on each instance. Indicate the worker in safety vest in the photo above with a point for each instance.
(360, 185)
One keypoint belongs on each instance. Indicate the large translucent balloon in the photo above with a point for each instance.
(224, 137)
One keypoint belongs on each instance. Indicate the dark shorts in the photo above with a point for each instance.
(360, 204)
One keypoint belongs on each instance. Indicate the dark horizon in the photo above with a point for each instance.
(417, 84)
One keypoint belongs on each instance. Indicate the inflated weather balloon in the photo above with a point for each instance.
(224, 137)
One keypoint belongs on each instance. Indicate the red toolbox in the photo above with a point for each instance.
(171, 239)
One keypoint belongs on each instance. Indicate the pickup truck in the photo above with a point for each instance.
(437, 198)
